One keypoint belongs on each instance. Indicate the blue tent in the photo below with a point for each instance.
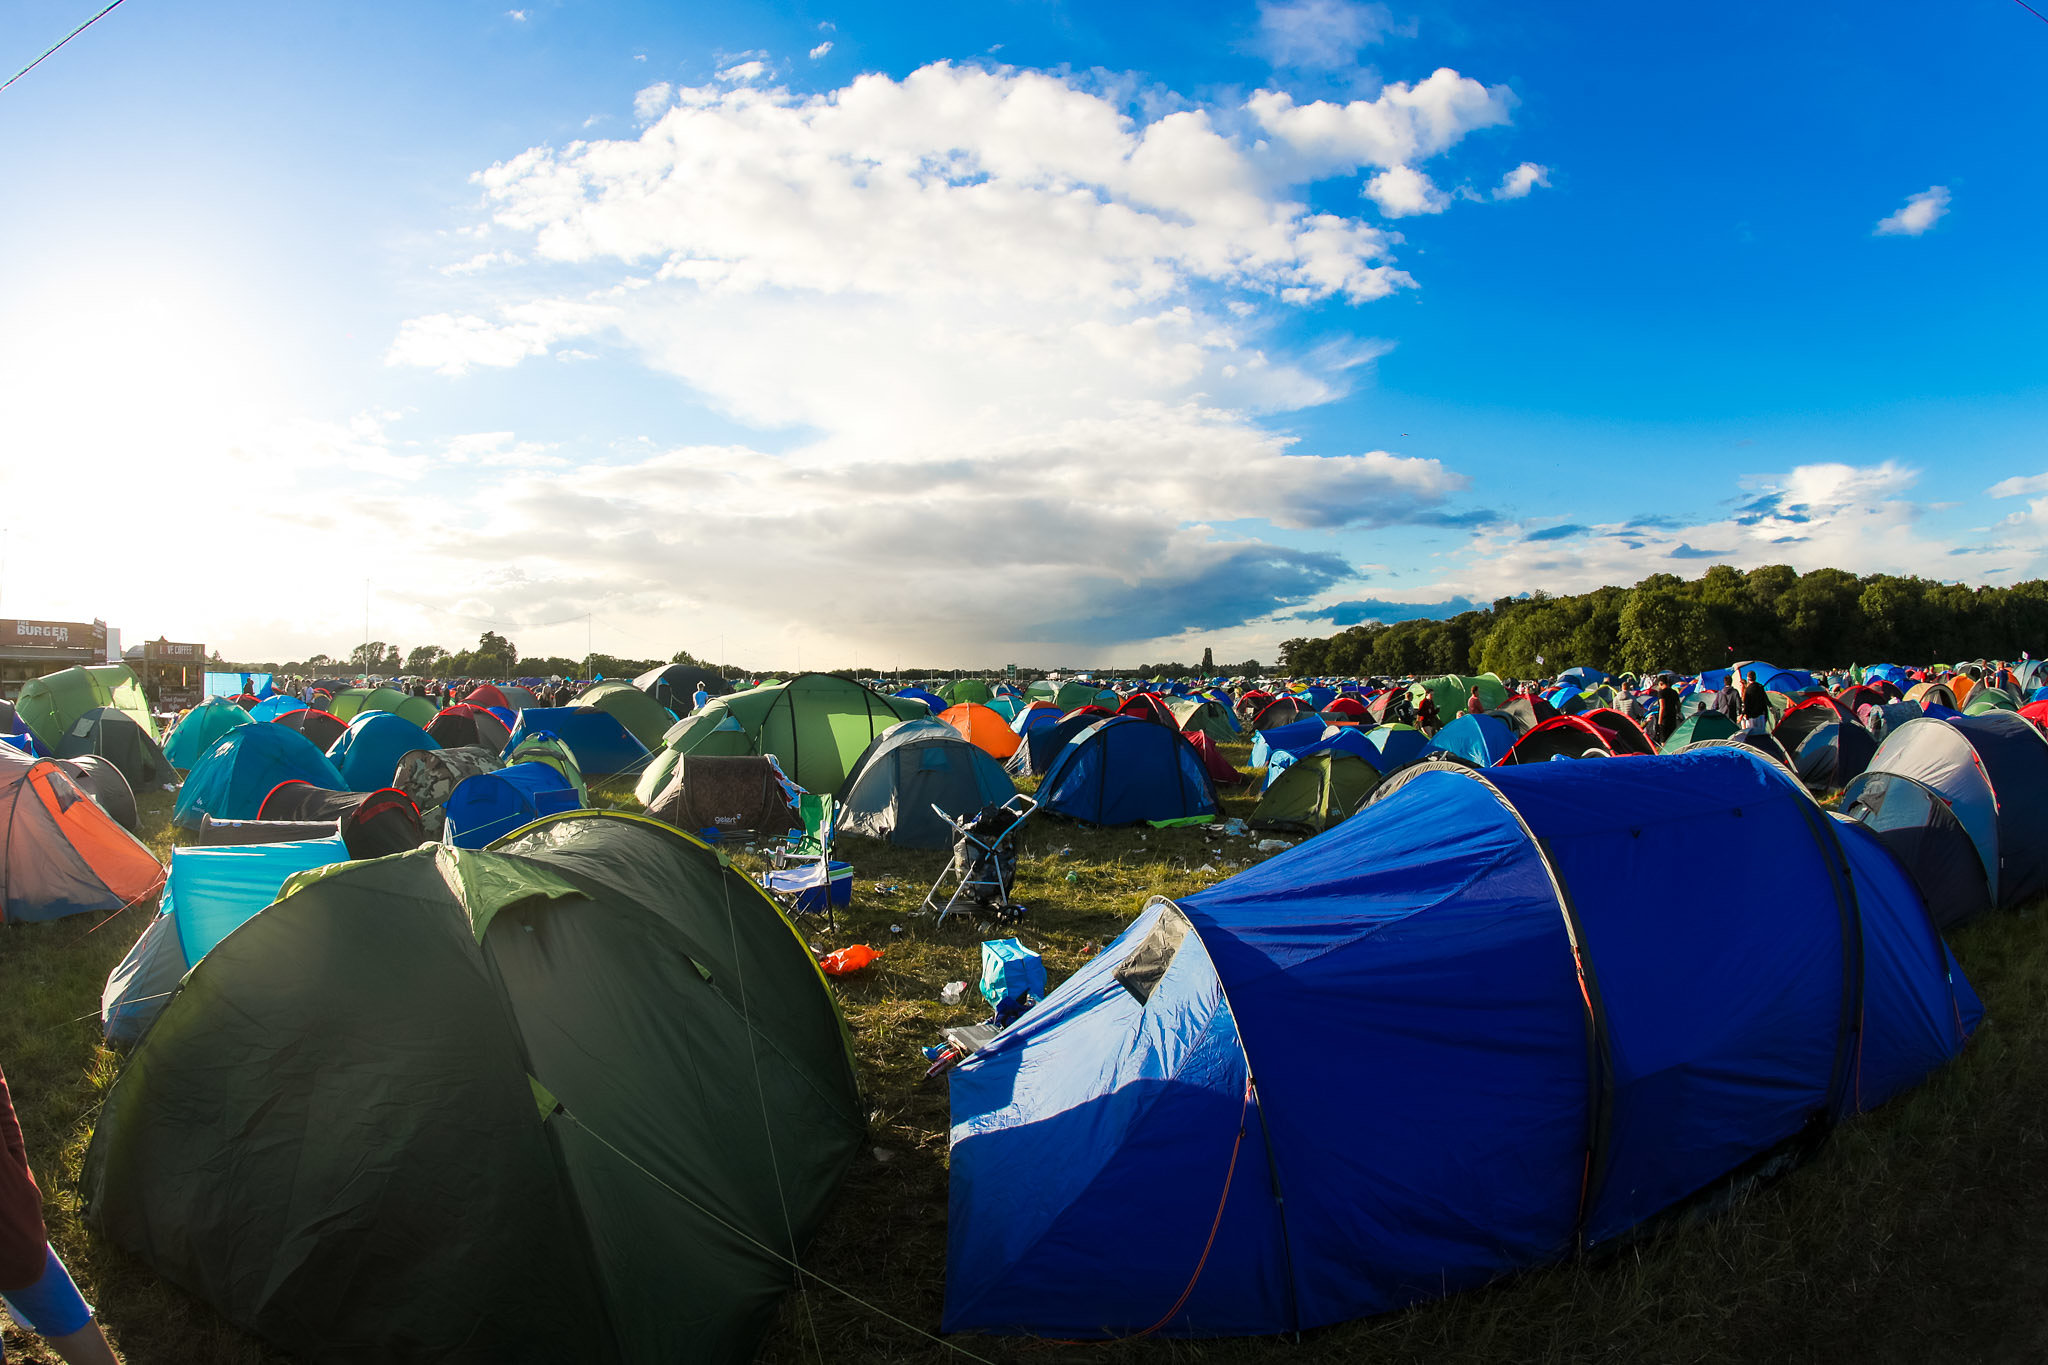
(1482, 739)
(931, 699)
(1319, 695)
(231, 779)
(488, 806)
(1042, 744)
(1342, 739)
(1298, 735)
(1398, 744)
(602, 746)
(270, 708)
(368, 751)
(209, 893)
(1474, 1050)
(1790, 681)
(1033, 718)
(1121, 770)
(1582, 677)
(1992, 770)
(200, 728)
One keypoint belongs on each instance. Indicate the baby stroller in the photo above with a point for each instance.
(984, 860)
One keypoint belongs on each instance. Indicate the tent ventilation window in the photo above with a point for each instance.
(1147, 964)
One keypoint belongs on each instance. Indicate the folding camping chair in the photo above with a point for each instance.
(984, 863)
(801, 872)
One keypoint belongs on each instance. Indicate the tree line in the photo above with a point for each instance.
(495, 656)
(1826, 618)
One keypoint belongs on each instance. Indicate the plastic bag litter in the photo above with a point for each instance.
(849, 960)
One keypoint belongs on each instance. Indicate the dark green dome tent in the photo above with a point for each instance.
(575, 1098)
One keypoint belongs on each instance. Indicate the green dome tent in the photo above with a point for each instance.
(966, 689)
(816, 725)
(1453, 691)
(644, 718)
(50, 705)
(1316, 792)
(1197, 715)
(348, 705)
(1698, 726)
(573, 1098)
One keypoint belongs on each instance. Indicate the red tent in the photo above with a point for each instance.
(1219, 766)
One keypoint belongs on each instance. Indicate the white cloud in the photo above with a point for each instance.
(1403, 125)
(742, 72)
(1854, 517)
(483, 260)
(649, 103)
(1319, 34)
(820, 50)
(453, 344)
(1517, 183)
(1401, 191)
(1921, 212)
(517, 16)
(1023, 338)
(2018, 486)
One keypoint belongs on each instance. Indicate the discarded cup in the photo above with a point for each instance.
(954, 993)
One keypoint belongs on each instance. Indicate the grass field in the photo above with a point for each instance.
(1919, 1234)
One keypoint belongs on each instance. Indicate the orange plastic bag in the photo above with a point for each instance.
(849, 960)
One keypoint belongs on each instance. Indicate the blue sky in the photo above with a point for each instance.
(953, 334)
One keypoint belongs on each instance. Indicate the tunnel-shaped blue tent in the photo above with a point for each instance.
(1494, 1017)
(368, 751)
(230, 780)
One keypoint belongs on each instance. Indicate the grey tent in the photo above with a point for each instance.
(101, 779)
(909, 769)
(115, 736)
(739, 795)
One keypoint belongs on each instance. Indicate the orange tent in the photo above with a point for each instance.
(60, 854)
(983, 728)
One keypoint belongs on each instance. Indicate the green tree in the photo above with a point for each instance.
(423, 658)
(494, 656)
(1663, 627)
(368, 658)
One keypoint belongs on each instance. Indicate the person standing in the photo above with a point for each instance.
(1729, 700)
(1667, 711)
(34, 1284)
(700, 700)
(1756, 707)
(1474, 706)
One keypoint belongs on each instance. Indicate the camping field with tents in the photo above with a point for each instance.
(1436, 1017)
